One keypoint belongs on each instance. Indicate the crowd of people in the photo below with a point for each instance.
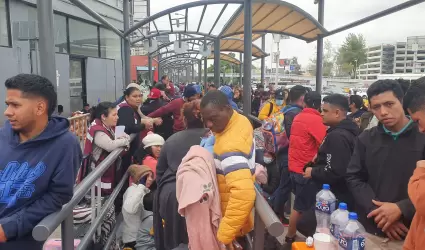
(195, 162)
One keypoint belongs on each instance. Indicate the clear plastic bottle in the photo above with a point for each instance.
(352, 237)
(339, 220)
(325, 206)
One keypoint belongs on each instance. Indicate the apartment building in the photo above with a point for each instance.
(380, 60)
(399, 58)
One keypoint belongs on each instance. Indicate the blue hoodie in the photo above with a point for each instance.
(36, 178)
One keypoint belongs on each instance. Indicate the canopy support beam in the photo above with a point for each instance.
(247, 61)
(319, 59)
(127, 51)
(263, 60)
(217, 61)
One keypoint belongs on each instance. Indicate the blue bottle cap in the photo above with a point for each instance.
(326, 187)
(352, 216)
(343, 206)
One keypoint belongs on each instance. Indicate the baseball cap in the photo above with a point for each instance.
(189, 91)
(279, 94)
(154, 94)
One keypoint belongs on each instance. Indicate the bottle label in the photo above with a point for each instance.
(358, 243)
(334, 230)
(325, 206)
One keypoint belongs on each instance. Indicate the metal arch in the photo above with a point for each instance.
(187, 54)
(178, 8)
(165, 45)
(171, 32)
(180, 60)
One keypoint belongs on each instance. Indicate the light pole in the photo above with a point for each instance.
(355, 70)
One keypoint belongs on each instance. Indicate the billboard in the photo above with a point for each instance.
(284, 62)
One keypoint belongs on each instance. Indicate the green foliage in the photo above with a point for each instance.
(328, 60)
(351, 54)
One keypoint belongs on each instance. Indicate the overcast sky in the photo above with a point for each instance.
(389, 29)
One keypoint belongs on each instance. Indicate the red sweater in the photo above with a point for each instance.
(307, 133)
(174, 107)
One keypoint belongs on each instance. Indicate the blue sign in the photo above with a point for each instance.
(291, 67)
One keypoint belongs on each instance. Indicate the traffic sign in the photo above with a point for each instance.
(291, 67)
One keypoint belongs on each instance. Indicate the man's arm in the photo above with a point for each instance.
(59, 192)
(337, 160)
(164, 110)
(357, 176)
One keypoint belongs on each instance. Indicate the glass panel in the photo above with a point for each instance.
(4, 32)
(59, 24)
(83, 38)
(110, 44)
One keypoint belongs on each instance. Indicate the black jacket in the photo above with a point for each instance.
(380, 169)
(273, 178)
(333, 159)
(165, 201)
(166, 128)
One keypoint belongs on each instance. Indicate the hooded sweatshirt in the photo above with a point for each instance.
(380, 168)
(333, 158)
(36, 178)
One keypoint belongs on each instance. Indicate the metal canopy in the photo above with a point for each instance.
(227, 58)
(268, 16)
(273, 16)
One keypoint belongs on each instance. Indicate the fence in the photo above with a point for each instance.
(79, 126)
(264, 218)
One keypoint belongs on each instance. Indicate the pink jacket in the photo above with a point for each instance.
(199, 198)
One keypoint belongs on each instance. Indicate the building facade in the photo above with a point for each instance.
(88, 55)
(399, 58)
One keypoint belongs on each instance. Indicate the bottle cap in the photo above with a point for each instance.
(326, 186)
(343, 206)
(352, 216)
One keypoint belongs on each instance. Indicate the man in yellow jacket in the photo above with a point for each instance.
(273, 105)
(234, 155)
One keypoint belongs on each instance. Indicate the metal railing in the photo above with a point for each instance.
(48, 225)
(264, 218)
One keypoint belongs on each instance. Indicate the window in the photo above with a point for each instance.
(83, 38)
(4, 24)
(61, 44)
(110, 44)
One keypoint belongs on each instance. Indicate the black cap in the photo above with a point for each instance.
(279, 94)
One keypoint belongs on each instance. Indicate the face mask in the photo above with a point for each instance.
(279, 102)
(267, 160)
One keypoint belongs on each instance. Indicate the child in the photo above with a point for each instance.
(145, 236)
(133, 211)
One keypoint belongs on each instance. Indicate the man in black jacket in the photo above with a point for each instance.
(335, 152)
(383, 160)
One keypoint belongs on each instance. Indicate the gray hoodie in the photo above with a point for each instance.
(145, 240)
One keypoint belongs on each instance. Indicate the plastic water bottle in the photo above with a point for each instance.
(339, 220)
(325, 206)
(352, 237)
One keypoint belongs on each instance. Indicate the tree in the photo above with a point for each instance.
(351, 54)
(328, 60)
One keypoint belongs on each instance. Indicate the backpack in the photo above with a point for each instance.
(273, 130)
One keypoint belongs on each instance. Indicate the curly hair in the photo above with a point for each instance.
(191, 114)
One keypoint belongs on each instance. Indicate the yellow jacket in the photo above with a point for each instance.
(234, 156)
(264, 112)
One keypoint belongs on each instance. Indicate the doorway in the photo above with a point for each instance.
(77, 83)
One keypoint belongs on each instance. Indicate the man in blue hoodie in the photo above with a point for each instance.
(39, 159)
